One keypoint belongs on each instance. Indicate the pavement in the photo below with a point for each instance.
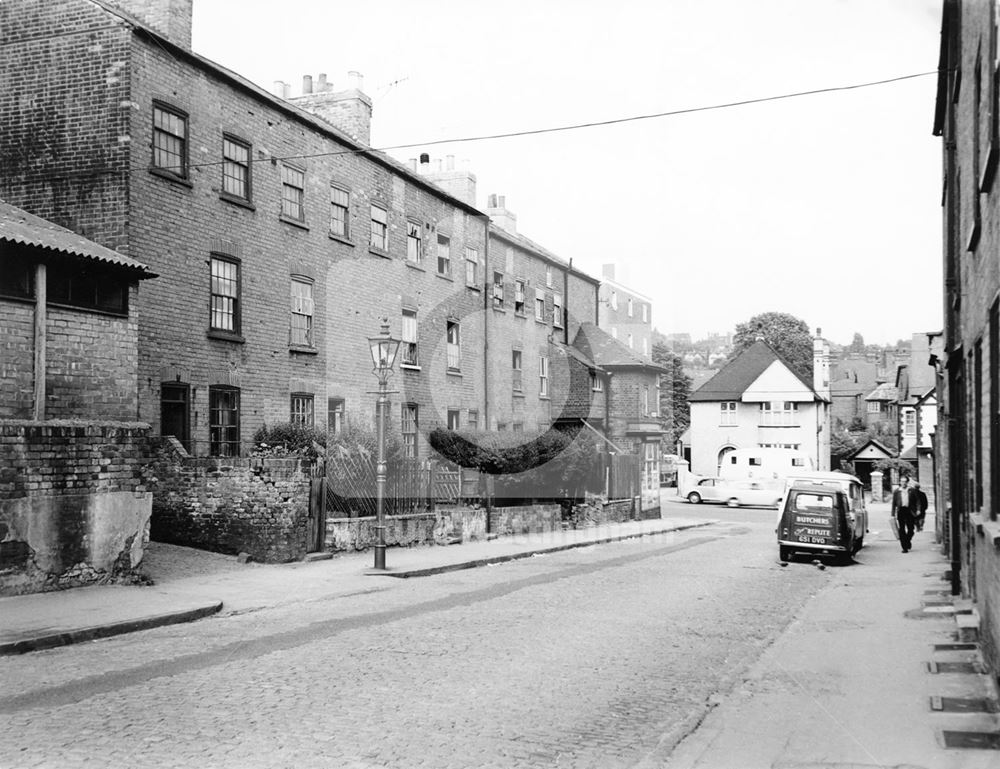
(191, 584)
(881, 668)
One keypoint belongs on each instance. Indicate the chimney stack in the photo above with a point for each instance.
(501, 216)
(171, 18)
(349, 110)
(459, 183)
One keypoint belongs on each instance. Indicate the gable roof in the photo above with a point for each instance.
(884, 392)
(871, 443)
(733, 379)
(19, 226)
(607, 352)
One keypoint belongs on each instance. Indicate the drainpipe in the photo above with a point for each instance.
(566, 313)
(487, 302)
(41, 313)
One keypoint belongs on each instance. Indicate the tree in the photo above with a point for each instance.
(788, 335)
(858, 343)
(675, 388)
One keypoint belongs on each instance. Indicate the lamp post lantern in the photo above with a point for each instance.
(383, 349)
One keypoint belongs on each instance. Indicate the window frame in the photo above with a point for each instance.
(337, 206)
(543, 376)
(306, 414)
(786, 416)
(335, 414)
(378, 235)
(520, 290)
(557, 311)
(247, 166)
(471, 267)
(414, 235)
(497, 290)
(310, 326)
(185, 143)
(517, 370)
(443, 253)
(540, 305)
(409, 428)
(237, 304)
(727, 414)
(453, 339)
(454, 419)
(216, 440)
(409, 348)
(299, 200)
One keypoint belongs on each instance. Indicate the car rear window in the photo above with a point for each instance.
(812, 503)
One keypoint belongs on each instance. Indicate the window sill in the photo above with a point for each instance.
(294, 222)
(541, 322)
(454, 372)
(172, 177)
(298, 349)
(984, 527)
(241, 202)
(415, 266)
(340, 239)
(379, 252)
(520, 315)
(409, 367)
(445, 277)
(225, 336)
(544, 397)
(518, 394)
(501, 310)
(477, 289)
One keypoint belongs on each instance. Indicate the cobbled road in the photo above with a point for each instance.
(597, 657)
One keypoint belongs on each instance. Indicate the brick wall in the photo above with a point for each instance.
(65, 109)
(74, 507)
(255, 505)
(91, 363)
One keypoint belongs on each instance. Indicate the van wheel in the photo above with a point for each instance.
(694, 497)
(732, 502)
(784, 553)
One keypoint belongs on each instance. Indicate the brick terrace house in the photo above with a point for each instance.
(757, 399)
(968, 450)
(625, 313)
(279, 239)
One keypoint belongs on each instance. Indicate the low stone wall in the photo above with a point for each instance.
(258, 506)
(448, 525)
(74, 507)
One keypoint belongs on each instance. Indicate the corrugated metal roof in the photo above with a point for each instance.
(18, 226)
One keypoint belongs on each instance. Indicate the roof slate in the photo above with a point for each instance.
(607, 352)
(18, 226)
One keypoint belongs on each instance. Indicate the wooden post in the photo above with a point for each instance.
(41, 317)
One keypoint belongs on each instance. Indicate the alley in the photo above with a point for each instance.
(604, 656)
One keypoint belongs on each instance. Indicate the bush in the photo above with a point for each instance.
(354, 438)
(286, 439)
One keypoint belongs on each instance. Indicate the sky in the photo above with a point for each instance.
(824, 206)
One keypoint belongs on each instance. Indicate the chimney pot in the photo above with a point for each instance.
(424, 158)
(450, 161)
(355, 80)
(307, 84)
(501, 201)
(321, 85)
(286, 90)
(491, 201)
(279, 88)
(412, 163)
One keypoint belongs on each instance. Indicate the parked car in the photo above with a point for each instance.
(736, 492)
(850, 485)
(817, 519)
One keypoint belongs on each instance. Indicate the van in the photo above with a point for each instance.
(816, 519)
(850, 485)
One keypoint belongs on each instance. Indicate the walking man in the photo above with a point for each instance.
(921, 511)
(904, 508)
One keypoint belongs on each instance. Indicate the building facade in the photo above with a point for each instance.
(757, 400)
(625, 314)
(968, 459)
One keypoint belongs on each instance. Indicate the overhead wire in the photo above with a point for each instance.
(552, 129)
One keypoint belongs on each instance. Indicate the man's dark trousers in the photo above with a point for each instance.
(906, 523)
